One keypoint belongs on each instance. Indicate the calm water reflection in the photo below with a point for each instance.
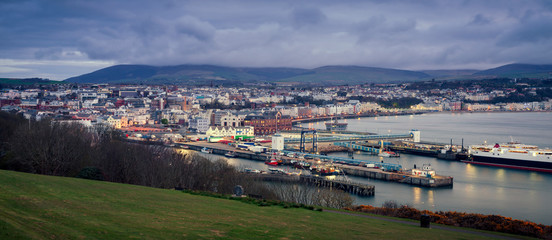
(514, 193)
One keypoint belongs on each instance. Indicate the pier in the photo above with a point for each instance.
(354, 146)
(399, 177)
(350, 187)
(347, 186)
(352, 137)
(381, 171)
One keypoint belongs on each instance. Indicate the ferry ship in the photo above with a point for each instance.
(334, 125)
(511, 155)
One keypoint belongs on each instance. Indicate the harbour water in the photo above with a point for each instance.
(518, 194)
(513, 193)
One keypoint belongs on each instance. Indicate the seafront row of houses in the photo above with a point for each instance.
(218, 111)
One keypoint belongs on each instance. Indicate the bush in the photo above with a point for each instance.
(92, 173)
(471, 220)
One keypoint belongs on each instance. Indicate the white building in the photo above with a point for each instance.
(231, 121)
(278, 142)
(199, 124)
(216, 131)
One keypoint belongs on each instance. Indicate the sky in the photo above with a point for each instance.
(57, 39)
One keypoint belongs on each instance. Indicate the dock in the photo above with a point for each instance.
(221, 149)
(385, 171)
(400, 177)
(359, 189)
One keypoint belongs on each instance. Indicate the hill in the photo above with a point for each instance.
(450, 74)
(38, 206)
(205, 74)
(518, 70)
(341, 75)
(27, 81)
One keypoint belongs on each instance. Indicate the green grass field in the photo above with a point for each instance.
(36, 206)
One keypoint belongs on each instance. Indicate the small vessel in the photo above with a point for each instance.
(206, 150)
(230, 154)
(326, 170)
(272, 162)
(276, 171)
(334, 125)
(302, 165)
(451, 152)
(511, 155)
(251, 170)
(388, 154)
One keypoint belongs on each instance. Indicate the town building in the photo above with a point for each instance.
(268, 122)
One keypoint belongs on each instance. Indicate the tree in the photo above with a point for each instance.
(51, 148)
(164, 121)
(309, 195)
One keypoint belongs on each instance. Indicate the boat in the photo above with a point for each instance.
(511, 155)
(272, 162)
(334, 125)
(276, 171)
(251, 170)
(302, 165)
(388, 154)
(326, 170)
(230, 154)
(206, 150)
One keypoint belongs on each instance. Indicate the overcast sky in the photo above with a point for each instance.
(59, 39)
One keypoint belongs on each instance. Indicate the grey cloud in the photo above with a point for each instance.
(380, 28)
(191, 26)
(480, 19)
(397, 34)
(151, 41)
(533, 30)
(307, 16)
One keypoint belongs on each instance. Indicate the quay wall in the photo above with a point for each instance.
(437, 181)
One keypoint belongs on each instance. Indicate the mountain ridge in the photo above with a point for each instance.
(203, 74)
(518, 70)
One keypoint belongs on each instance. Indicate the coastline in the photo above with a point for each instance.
(379, 114)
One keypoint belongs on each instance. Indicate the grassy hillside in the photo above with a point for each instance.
(338, 75)
(37, 206)
(27, 81)
(518, 71)
(204, 74)
(450, 74)
(183, 74)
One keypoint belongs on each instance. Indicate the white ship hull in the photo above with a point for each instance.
(512, 155)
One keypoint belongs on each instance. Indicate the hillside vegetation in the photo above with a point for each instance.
(518, 71)
(40, 207)
(327, 75)
(205, 74)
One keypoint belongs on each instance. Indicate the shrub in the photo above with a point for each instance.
(471, 220)
(92, 173)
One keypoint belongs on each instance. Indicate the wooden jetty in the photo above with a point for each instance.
(350, 187)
